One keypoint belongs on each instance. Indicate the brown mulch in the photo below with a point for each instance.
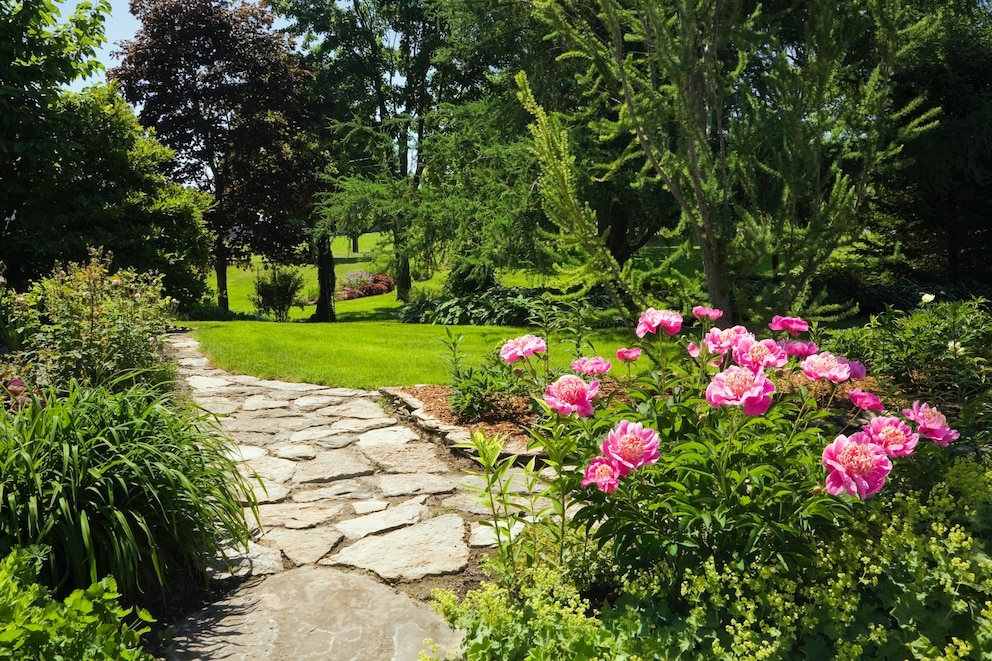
(511, 422)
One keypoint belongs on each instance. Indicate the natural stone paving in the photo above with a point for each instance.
(346, 504)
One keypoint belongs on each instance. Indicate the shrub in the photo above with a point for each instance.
(277, 289)
(89, 625)
(938, 349)
(695, 505)
(85, 323)
(359, 284)
(118, 483)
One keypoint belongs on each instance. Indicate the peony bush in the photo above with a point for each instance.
(726, 452)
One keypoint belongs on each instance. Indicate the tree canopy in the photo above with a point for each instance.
(225, 90)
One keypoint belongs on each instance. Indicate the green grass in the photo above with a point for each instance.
(358, 354)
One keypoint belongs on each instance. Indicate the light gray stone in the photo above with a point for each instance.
(258, 561)
(357, 426)
(349, 488)
(272, 470)
(404, 514)
(296, 452)
(269, 493)
(410, 485)
(297, 515)
(397, 435)
(312, 434)
(263, 403)
(268, 424)
(409, 458)
(312, 614)
(333, 465)
(457, 436)
(311, 402)
(335, 442)
(290, 386)
(369, 506)
(206, 382)
(433, 548)
(302, 547)
(466, 502)
(217, 405)
(241, 453)
(484, 536)
(355, 408)
(349, 392)
(193, 362)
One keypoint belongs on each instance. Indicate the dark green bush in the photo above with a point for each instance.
(118, 483)
(277, 289)
(89, 625)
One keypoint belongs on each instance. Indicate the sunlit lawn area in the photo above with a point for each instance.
(358, 354)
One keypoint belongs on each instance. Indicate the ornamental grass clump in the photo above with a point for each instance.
(118, 483)
(739, 453)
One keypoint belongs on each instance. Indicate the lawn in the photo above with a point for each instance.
(358, 354)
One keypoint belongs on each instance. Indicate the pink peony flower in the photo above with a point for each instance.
(631, 446)
(827, 366)
(894, 435)
(652, 319)
(570, 394)
(794, 325)
(693, 350)
(855, 465)
(605, 473)
(628, 355)
(858, 370)
(741, 386)
(721, 340)
(865, 400)
(749, 352)
(710, 314)
(932, 424)
(522, 347)
(797, 348)
(592, 365)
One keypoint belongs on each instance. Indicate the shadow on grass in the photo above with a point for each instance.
(376, 314)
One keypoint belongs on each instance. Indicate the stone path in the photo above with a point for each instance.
(355, 504)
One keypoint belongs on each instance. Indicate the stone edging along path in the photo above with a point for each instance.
(363, 514)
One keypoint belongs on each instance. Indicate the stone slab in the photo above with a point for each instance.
(263, 403)
(312, 614)
(313, 402)
(298, 516)
(272, 470)
(294, 452)
(412, 484)
(333, 465)
(357, 426)
(433, 548)
(410, 458)
(302, 547)
(396, 435)
(398, 516)
(369, 506)
(206, 382)
(355, 408)
(341, 488)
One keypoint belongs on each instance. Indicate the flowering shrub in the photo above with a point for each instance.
(88, 323)
(732, 452)
(359, 284)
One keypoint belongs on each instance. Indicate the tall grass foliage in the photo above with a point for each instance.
(118, 483)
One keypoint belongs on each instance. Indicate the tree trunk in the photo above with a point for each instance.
(326, 282)
(354, 244)
(220, 268)
(717, 277)
(403, 281)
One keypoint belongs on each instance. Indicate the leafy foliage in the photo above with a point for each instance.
(89, 625)
(118, 483)
(276, 291)
(40, 54)
(129, 209)
(88, 323)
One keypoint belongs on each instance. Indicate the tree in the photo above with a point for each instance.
(224, 90)
(937, 209)
(109, 192)
(40, 54)
(374, 68)
(766, 125)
